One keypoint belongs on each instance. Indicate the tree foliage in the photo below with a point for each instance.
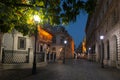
(18, 14)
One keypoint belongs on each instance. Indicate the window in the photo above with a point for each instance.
(114, 17)
(62, 40)
(54, 40)
(41, 48)
(21, 43)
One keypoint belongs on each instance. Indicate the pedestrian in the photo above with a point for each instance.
(75, 58)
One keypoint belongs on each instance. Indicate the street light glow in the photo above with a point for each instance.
(101, 37)
(89, 48)
(36, 18)
(65, 41)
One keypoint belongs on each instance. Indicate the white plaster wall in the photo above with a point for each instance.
(97, 52)
(28, 41)
(7, 41)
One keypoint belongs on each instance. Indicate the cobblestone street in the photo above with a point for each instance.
(72, 70)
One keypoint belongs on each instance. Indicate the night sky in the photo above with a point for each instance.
(77, 29)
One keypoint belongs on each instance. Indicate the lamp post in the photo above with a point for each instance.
(13, 33)
(36, 19)
(102, 51)
(89, 50)
(65, 42)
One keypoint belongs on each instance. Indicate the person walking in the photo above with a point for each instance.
(75, 58)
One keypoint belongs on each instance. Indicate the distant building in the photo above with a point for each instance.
(58, 47)
(79, 48)
(84, 46)
(104, 21)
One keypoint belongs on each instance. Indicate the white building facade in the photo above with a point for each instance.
(17, 51)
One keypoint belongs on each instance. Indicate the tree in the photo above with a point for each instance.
(18, 14)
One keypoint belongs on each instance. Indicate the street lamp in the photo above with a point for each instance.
(37, 20)
(65, 42)
(102, 51)
(89, 48)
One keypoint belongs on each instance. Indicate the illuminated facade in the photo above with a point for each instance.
(84, 46)
(44, 43)
(81, 50)
(105, 21)
(44, 36)
(83, 54)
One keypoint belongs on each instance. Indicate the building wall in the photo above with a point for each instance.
(72, 48)
(59, 36)
(8, 41)
(113, 37)
(106, 21)
(12, 51)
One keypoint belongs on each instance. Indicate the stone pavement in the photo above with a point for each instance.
(72, 70)
(14, 74)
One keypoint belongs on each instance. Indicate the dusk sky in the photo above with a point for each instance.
(77, 29)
